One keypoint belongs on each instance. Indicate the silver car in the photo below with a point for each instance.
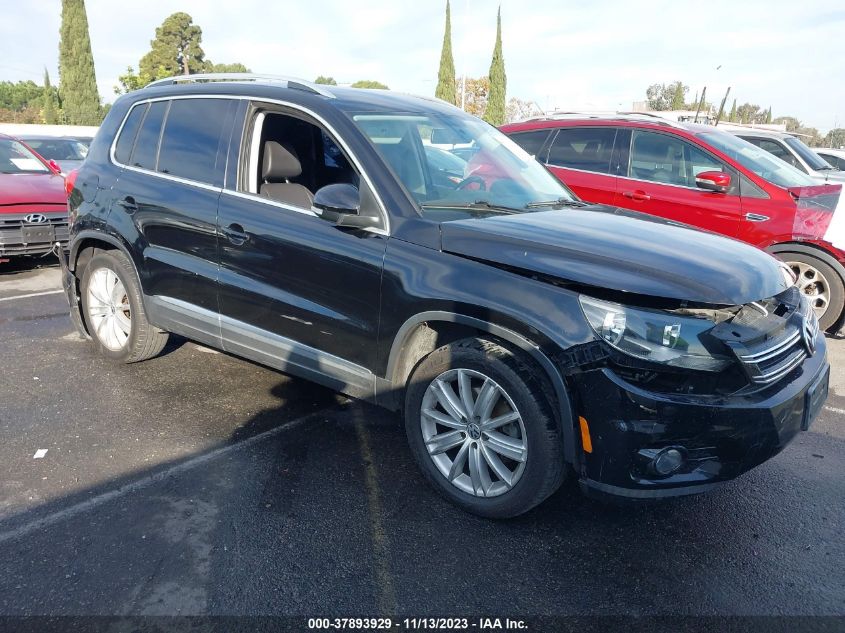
(794, 151)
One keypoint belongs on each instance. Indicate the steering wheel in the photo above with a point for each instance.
(482, 185)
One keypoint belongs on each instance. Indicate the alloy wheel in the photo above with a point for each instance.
(813, 284)
(473, 432)
(108, 308)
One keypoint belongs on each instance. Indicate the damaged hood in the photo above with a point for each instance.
(623, 251)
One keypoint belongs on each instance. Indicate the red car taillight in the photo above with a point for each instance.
(70, 181)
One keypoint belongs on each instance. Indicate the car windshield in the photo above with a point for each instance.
(492, 174)
(816, 162)
(58, 148)
(757, 160)
(15, 158)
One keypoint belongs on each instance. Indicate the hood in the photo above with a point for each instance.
(622, 251)
(46, 188)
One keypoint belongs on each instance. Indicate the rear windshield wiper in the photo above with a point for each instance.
(560, 202)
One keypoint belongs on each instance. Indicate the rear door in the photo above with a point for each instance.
(581, 158)
(166, 204)
(660, 180)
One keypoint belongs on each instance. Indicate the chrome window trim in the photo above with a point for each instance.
(254, 99)
(273, 203)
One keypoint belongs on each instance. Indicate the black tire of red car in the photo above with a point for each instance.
(524, 385)
(803, 264)
(144, 340)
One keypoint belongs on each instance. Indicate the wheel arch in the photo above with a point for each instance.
(424, 332)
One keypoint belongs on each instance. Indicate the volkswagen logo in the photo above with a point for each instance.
(35, 218)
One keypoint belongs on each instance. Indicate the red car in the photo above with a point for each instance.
(33, 202)
(699, 175)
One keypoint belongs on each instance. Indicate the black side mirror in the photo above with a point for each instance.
(341, 204)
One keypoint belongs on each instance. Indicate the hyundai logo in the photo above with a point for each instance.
(35, 218)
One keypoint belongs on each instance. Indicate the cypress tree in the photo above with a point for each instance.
(495, 111)
(732, 116)
(769, 115)
(77, 81)
(446, 75)
(50, 110)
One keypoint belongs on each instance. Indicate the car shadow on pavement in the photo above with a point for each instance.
(314, 507)
(17, 265)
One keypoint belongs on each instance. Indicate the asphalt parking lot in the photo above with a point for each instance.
(198, 483)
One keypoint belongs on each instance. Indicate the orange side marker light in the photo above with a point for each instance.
(586, 442)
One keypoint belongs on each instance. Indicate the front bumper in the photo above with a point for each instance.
(71, 293)
(19, 236)
(719, 437)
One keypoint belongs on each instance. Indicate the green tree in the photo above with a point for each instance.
(792, 124)
(326, 81)
(19, 95)
(446, 75)
(130, 81)
(495, 112)
(732, 115)
(77, 81)
(476, 92)
(769, 115)
(679, 96)
(236, 67)
(50, 110)
(835, 138)
(369, 83)
(176, 49)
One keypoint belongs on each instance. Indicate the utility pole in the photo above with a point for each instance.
(700, 104)
(722, 107)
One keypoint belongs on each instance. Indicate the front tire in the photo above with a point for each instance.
(820, 284)
(482, 429)
(114, 312)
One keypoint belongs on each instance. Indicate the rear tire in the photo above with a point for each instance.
(502, 458)
(114, 312)
(820, 284)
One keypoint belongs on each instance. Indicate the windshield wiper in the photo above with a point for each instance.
(560, 202)
(484, 205)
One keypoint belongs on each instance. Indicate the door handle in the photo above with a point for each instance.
(129, 204)
(640, 196)
(235, 234)
(756, 217)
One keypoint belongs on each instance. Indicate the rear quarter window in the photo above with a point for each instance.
(587, 149)
(532, 142)
(126, 138)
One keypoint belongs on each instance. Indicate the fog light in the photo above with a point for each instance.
(667, 461)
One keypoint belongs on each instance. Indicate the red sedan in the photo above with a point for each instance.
(33, 202)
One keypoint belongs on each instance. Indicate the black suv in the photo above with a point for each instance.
(524, 334)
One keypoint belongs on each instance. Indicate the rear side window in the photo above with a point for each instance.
(192, 133)
(146, 145)
(531, 142)
(587, 149)
(123, 147)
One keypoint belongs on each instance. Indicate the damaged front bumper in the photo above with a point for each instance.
(717, 437)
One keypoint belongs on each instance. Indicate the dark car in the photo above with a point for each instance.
(67, 152)
(33, 202)
(525, 335)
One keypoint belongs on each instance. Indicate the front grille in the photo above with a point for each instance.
(12, 240)
(773, 358)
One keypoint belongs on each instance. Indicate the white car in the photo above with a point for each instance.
(792, 149)
(835, 157)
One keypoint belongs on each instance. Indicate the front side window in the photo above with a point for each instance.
(146, 144)
(756, 160)
(15, 158)
(192, 133)
(499, 175)
(587, 149)
(816, 162)
(667, 159)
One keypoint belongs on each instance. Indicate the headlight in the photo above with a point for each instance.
(653, 335)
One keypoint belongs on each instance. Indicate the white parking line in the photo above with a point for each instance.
(835, 410)
(145, 482)
(32, 294)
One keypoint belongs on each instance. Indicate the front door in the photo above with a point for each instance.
(296, 290)
(661, 181)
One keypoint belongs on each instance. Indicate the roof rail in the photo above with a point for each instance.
(607, 115)
(291, 82)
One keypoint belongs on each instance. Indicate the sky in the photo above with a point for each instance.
(597, 55)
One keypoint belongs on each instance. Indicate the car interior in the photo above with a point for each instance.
(661, 158)
(290, 159)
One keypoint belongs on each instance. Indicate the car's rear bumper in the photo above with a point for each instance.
(719, 438)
